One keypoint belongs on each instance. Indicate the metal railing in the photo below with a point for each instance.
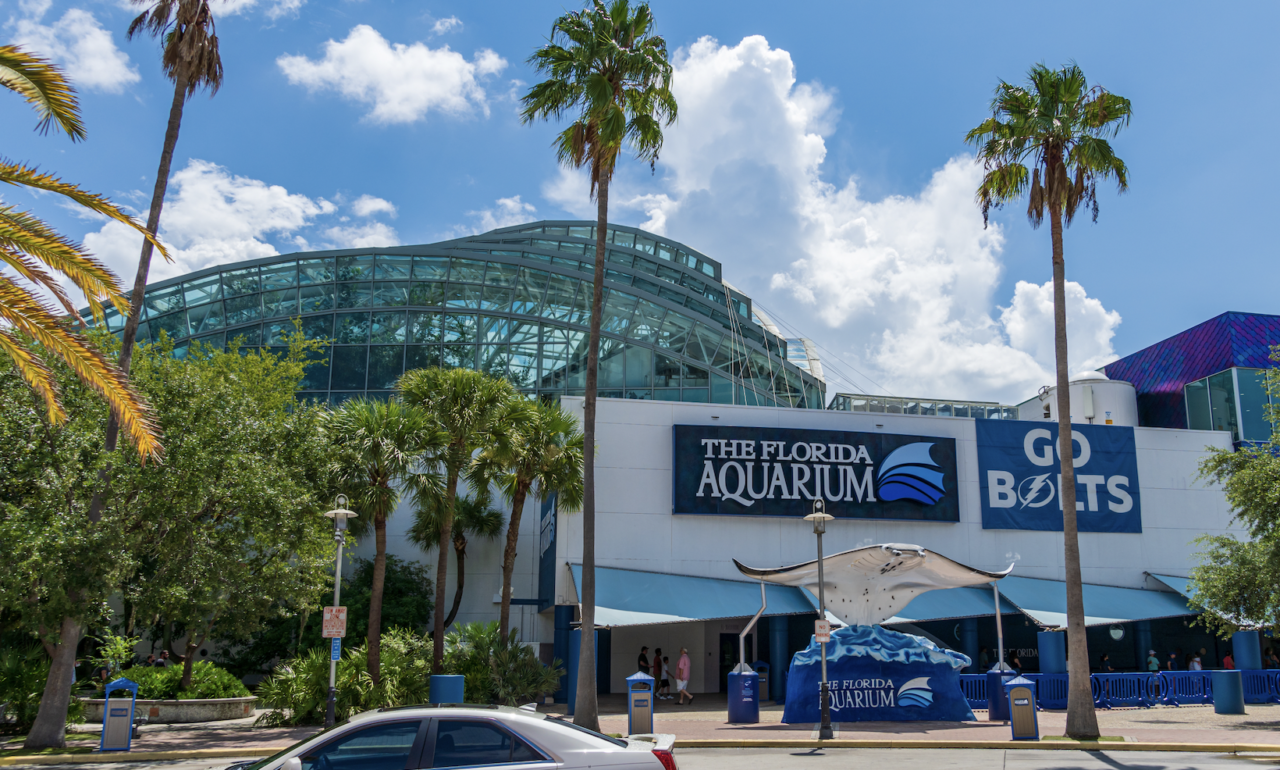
(1134, 689)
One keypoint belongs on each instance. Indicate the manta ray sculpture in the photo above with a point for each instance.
(867, 586)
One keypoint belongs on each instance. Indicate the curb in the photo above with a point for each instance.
(98, 757)
(836, 743)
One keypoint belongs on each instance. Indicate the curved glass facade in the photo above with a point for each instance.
(514, 302)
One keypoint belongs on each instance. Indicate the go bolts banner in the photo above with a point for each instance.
(1021, 484)
(780, 471)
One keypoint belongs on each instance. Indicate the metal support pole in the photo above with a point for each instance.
(824, 731)
(999, 631)
(743, 666)
(331, 707)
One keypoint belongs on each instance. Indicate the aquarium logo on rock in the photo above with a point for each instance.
(916, 693)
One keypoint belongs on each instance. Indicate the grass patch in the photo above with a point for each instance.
(1103, 739)
(44, 752)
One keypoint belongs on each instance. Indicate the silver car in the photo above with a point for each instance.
(414, 737)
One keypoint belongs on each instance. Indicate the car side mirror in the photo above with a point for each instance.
(292, 763)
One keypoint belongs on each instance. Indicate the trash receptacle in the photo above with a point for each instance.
(447, 688)
(1020, 697)
(639, 704)
(997, 705)
(744, 698)
(117, 717)
(1228, 692)
(762, 670)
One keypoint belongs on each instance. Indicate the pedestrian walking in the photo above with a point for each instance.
(1228, 662)
(163, 661)
(1104, 664)
(642, 662)
(666, 678)
(984, 660)
(1194, 664)
(1171, 664)
(655, 671)
(1153, 663)
(683, 668)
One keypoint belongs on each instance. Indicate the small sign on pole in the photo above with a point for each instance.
(336, 650)
(335, 623)
(822, 630)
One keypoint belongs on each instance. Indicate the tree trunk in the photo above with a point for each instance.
(442, 570)
(1082, 722)
(587, 709)
(374, 660)
(509, 556)
(460, 550)
(49, 731)
(188, 660)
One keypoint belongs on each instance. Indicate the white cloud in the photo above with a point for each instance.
(212, 217)
(901, 288)
(505, 213)
(444, 26)
(402, 83)
(368, 205)
(78, 43)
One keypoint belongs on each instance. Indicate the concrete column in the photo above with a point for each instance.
(1053, 651)
(560, 647)
(779, 657)
(1246, 650)
(1142, 643)
(969, 643)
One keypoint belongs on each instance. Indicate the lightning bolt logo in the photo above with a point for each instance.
(1036, 491)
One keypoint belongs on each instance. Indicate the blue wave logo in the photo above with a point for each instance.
(908, 473)
(916, 693)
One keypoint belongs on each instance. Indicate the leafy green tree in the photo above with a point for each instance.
(542, 450)
(38, 254)
(236, 508)
(190, 59)
(1058, 125)
(607, 69)
(466, 407)
(473, 518)
(381, 448)
(1237, 583)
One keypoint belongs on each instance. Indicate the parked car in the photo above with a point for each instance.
(413, 737)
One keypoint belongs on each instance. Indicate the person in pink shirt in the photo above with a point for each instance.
(683, 667)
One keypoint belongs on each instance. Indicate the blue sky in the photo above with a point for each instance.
(819, 156)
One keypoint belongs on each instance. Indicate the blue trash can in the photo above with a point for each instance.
(1228, 692)
(997, 705)
(744, 698)
(446, 688)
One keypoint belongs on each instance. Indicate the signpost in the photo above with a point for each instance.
(334, 625)
(822, 631)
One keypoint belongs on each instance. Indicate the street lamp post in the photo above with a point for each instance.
(820, 517)
(340, 514)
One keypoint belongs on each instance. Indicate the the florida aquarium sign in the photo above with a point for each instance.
(781, 471)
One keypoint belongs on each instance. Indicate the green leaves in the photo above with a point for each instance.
(1058, 125)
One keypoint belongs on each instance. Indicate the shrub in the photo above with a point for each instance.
(164, 683)
(298, 690)
(23, 672)
(497, 670)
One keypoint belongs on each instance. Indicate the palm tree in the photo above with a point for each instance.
(466, 406)
(544, 448)
(38, 254)
(473, 518)
(380, 447)
(605, 66)
(191, 60)
(1058, 125)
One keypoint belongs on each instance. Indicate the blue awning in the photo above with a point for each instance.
(1045, 601)
(953, 604)
(1181, 585)
(627, 597)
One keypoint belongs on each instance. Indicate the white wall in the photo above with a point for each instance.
(636, 529)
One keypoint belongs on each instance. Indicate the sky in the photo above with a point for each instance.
(818, 154)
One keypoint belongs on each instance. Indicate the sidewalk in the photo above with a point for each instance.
(704, 720)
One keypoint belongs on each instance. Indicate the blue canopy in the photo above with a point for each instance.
(953, 604)
(627, 597)
(1045, 601)
(1181, 585)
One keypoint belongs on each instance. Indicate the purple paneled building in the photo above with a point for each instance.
(1208, 377)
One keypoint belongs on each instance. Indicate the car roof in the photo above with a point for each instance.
(451, 709)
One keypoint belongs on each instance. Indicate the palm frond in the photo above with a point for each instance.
(44, 87)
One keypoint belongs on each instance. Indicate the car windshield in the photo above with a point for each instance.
(261, 763)
(592, 733)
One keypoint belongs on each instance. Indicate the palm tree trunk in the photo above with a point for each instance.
(1082, 722)
(144, 261)
(49, 731)
(374, 660)
(586, 708)
(460, 549)
(442, 570)
(509, 557)
(189, 660)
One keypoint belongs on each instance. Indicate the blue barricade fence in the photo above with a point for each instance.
(1051, 690)
(975, 689)
(1133, 689)
(1186, 687)
(1126, 689)
(1258, 686)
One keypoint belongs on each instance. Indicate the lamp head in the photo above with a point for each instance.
(819, 517)
(340, 514)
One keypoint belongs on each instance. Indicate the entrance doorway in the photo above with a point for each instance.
(729, 656)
